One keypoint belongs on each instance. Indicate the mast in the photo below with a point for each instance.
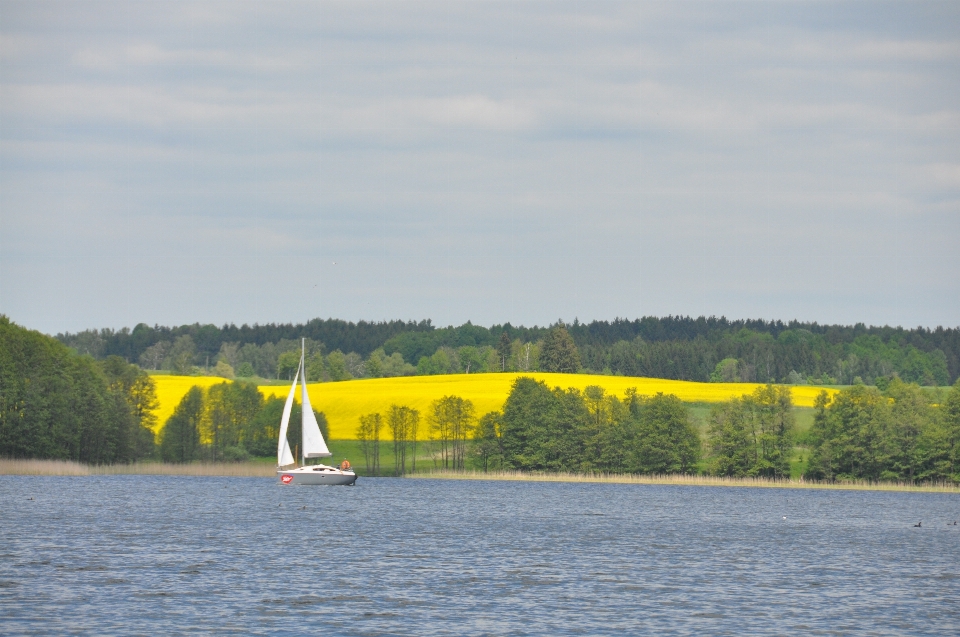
(303, 403)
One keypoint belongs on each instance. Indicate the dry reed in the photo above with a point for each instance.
(68, 468)
(266, 470)
(689, 480)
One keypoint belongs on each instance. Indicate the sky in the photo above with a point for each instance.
(524, 162)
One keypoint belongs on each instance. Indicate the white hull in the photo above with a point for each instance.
(316, 474)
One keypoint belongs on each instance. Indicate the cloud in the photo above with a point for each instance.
(597, 160)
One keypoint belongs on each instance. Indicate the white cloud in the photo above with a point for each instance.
(557, 141)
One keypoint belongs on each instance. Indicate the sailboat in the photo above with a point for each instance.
(313, 443)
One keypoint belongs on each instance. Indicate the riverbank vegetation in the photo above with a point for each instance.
(699, 480)
(33, 467)
(266, 470)
(56, 404)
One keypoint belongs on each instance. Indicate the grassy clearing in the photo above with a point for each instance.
(686, 480)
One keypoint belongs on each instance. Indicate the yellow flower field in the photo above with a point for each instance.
(172, 389)
(344, 402)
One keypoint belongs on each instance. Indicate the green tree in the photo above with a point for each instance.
(228, 407)
(368, 433)
(894, 435)
(59, 405)
(153, 356)
(224, 370)
(503, 350)
(488, 439)
(544, 429)
(287, 364)
(666, 441)
(951, 429)
(441, 362)
(316, 367)
(849, 443)
(732, 453)
(337, 366)
(245, 370)
(261, 433)
(752, 435)
(774, 423)
(614, 430)
(403, 423)
(471, 359)
(181, 356)
(726, 371)
(452, 421)
(375, 364)
(559, 353)
(910, 442)
(136, 440)
(180, 436)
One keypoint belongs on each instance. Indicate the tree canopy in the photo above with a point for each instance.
(57, 404)
(676, 347)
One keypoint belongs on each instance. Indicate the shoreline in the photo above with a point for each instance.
(70, 468)
(687, 480)
(267, 470)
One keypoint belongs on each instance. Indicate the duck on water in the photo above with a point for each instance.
(313, 443)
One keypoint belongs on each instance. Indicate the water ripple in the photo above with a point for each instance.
(118, 555)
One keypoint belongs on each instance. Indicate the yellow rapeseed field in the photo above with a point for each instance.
(172, 389)
(344, 402)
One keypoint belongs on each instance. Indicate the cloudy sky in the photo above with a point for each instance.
(181, 162)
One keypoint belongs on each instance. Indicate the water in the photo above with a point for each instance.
(131, 555)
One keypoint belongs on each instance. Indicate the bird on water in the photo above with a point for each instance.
(917, 525)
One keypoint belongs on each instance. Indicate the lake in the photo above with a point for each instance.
(125, 555)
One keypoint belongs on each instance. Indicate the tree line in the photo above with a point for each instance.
(901, 433)
(228, 422)
(662, 347)
(450, 423)
(897, 433)
(55, 404)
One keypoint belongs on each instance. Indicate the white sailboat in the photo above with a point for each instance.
(313, 443)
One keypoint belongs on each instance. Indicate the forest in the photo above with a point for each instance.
(56, 403)
(682, 348)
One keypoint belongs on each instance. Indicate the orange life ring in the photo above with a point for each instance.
(344, 465)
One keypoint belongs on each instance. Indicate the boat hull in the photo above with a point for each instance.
(317, 475)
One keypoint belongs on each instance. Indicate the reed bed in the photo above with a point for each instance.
(69, 468)
(267, 470)
(688, 480)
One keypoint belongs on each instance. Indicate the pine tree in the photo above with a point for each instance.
(559, 353)
(503, 350)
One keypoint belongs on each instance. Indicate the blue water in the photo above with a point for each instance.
(132, 555)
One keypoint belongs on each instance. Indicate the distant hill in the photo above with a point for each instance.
(672, 347)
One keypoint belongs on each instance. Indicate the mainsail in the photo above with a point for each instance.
(284, 457)
(313, 444)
